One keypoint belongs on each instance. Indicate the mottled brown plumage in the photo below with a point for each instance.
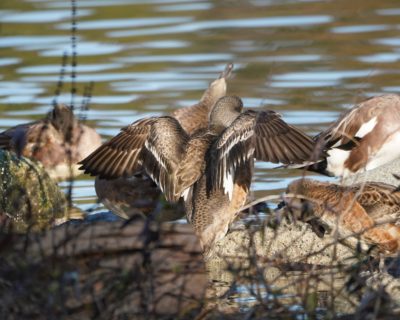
(360, 209)
(58, 141)
(114, 192)
(210, 167)
(211, 214)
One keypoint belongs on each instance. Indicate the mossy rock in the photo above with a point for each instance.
(31, 200)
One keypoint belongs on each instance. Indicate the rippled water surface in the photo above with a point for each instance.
(308, 60)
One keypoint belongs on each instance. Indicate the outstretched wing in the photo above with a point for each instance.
(261, 135)
(164, 150)
(276, 141)
(156, 144)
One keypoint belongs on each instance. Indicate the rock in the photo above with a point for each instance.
(381, 174)
(288, 242)
(30, 200)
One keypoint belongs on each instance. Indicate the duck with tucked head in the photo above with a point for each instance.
(370, 211)
(58, 141)
(212, 168)
(363, 138)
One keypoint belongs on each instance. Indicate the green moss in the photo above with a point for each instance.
(30, 200)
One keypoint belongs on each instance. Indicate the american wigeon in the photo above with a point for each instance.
(196, 117)
(58, 141)
(124, 196)
(370, 210)
(365, 137)
(210, 169)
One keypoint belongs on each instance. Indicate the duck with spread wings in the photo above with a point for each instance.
(212, 168)
(138, 195)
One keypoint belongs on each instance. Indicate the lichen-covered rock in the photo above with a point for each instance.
(30, 200)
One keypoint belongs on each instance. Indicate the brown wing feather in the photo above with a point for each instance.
(156, 144)
(379, 199)
(277, 141)
(165, 149)
(120, 156)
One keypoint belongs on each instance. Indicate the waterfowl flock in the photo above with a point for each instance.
(204, 156)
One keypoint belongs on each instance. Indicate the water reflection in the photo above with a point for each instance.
(85, 49)
(24, 42)
(8, 61)
(359, 29)
(124, 23)
(55, 68)
(233, 24)
(43, 16)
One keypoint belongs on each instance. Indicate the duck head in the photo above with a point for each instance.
(62, 118)
(224, 112)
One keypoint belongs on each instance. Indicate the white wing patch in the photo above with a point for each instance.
(185, 193)
(155, 154)
(366, 128)
(228, 184)
(243, 137)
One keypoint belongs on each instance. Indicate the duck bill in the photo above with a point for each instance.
(227, 71)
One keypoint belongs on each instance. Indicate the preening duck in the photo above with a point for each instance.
(364, 138)
(58, 141)
(210, 169)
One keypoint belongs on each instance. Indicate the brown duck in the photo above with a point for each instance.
(58, 141)
(128, 196)
(210, 169)
(360, 209)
